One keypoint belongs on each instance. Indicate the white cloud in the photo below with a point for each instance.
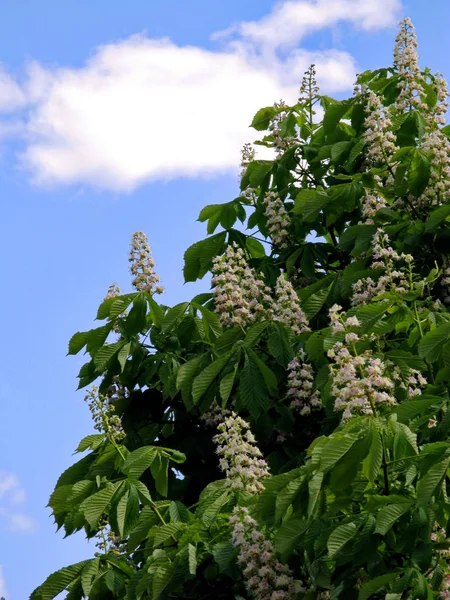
(145, 109)
(11, 95)
(12, 494)
(291, 21)
(3, 590)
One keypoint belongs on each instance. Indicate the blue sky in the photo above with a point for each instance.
(102, 134)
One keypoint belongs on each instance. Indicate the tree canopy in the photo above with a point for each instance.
(285, 435)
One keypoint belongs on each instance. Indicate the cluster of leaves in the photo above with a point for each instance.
(350, 507)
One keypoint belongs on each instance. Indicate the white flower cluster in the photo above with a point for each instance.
(378, 135)
(281, 144)
(215, 415)
(371, 204)
(240, 457)
(437, 146)
(406, 61)
(113, 291)
(384, 258)
(142, 265)
(278, 220)
(247, 155)
(103, 411)
(309, 87)
(300, 381)
(240, 296)
(440, 86)
(286, 307)
(360, 382)
(266, 578)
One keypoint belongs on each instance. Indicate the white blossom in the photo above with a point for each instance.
(286, 307)
(266, 578)
(278, 220)
(142, 265)
(240, 457)
(300, 381)
(240, 296)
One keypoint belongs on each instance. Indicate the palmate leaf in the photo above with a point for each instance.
(198, 257)
(88, 575)
(376, 584)
(139, 461)
(429, 482)
(91, 442)
(389, 515)
(147, 519)
(288, 535)
(58, 581)
(94, 506)
(128, 510)
(161, 579)
(372, 462)
(339, 537)
(252, 388)
(279, 344)
(334, 448)
(430, 346)
(207, 376)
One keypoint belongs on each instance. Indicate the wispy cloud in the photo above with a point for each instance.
(12, 494)
(144, 109)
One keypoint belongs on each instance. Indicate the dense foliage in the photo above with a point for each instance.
(287, 434)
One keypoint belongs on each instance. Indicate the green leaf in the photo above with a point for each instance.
(106, 353)
(334, 449)
(419, 173)
(94, 506)
(192, 559)
(369, 588)
(91, 442)
(78, 341)
(252, 389)
(262, 118)
(139, 461)
(430, 346)
(58, 582)
(256, 173)
(372, 462)
(159, 469)
(128, 511)
(279, 344)
(136, 320)
(309, 203)
(288, 536)
(268, 375)
(406, 411)
(226, 385)
(389, 515)
(198, 257)
(255, 248)
(333, 114)
(315, 302)
(123, 355)
(339, 537)
(203, 381)
(161, 579)
(88, 575)
(436, 217)
(173, 315)
(223, 553)
(115, 581)
(162, 533)
(428, 483)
